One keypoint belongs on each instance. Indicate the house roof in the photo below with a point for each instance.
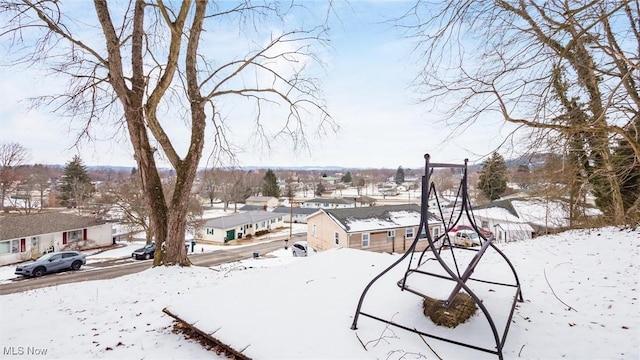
(295, 210)
(339, 201)
(232, 221)
(20, 226)
(536, 211)
(251, 207)
(504, 204)
(261, 198)
(370, 218)
(515, 227)
(365, 199)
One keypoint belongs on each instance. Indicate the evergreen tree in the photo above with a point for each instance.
(347, 177)
(270, 185)
(493, 177)
(319, 189)
(75, 185)
(400, 175)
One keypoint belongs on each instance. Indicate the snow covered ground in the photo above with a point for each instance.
(581, 295)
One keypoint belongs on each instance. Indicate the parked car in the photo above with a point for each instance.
(299, 248)
(487, 233)
(52, 262)
(466, 238)
(145, 252)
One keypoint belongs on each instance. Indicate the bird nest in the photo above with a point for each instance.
(461, 309)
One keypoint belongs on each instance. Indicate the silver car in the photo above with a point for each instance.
(299, 248)
(52, 262)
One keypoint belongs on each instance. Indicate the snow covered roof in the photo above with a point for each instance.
(515, 227)
(370, 218)
(534, 211)
(231, 221)
(260, 198)
(497, 213)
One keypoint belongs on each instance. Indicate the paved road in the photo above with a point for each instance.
(119, 267)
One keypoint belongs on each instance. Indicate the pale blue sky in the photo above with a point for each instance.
(369, 69)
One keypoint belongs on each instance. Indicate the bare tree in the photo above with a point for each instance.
(148, 66)
(12, 155)
(557, 68)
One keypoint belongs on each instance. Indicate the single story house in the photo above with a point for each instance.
(502, 221)
(388, 228)
(531, 215)
(25, 237)
(299, 214)
(506, 232)
(227, 228)
(321, 203)
(365, 201)
(262, 201)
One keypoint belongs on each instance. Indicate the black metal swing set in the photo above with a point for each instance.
(449, 270)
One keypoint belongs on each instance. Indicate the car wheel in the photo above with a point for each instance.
(39, 271)
(295, 253)
(147, 256)
(76, 265)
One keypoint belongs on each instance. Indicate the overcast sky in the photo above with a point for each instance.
(366, 84)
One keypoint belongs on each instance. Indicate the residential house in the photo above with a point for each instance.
(522, 218)
(299, 214)
(321, 203)
(227, 228)
(263, 201)
(25, 237)
(388, 228)
(365, 201)
(502, 220)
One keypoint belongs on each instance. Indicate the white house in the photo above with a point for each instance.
(252, 223)
(320, 203)
(25, 237)
(506, 232)
(299, 214)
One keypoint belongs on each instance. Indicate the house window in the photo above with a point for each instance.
(75, 235)
(365, 240)
(485, 224)
(409, 233)
(5, 247)
(209, 231)
(436, 232)
(15, 246)
(390, 235)
(314, 230)
(336, 237)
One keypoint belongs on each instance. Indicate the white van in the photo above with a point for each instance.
(466, 238)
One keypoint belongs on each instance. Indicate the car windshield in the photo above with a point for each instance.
(148, 246)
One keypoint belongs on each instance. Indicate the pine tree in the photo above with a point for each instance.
(400, 175)
(493, 177)
(270, 185)
(75, 184)
(347, 177)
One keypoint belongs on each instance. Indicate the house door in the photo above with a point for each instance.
(35, 247)
(231, 235)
